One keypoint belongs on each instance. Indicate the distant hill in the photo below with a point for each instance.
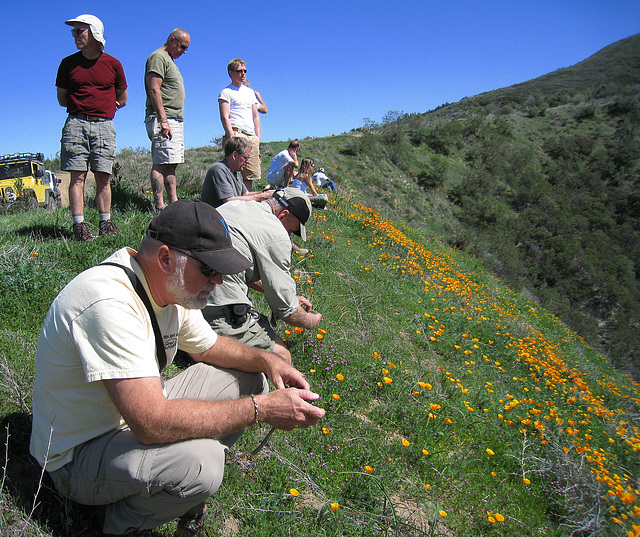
(610, 73)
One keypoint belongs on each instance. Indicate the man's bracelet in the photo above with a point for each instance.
(256, 408)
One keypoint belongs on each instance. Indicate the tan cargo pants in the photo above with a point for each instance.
(146, 486)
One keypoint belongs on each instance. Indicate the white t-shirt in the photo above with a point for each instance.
(319, 178)
(241, 100)
(98, 328)
(279, 161)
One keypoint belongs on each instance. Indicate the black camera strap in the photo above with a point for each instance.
(139, 288)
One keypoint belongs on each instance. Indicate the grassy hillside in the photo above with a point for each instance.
(455, 406)
(542, 179)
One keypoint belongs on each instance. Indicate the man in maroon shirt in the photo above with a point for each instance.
(92, 86)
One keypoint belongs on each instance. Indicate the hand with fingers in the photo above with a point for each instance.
(289, 408)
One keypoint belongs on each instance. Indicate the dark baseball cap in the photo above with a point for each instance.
(298, 204)
(197, 227)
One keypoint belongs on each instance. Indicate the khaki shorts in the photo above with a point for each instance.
(276, 178)
(166, 150)
(87, 145)
(253, 332)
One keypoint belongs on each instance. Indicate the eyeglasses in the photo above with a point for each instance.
(245, 157)
(182, 45)
(240, 71)
(206, 270)
(78, 31)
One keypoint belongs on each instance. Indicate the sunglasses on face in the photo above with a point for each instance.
(206, 271)
(182, 45)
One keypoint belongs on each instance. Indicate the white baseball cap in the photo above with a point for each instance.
(95, 25)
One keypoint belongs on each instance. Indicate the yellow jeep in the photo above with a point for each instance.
(23, 176)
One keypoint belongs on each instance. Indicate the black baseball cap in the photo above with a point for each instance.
(197, 227)
(298, 204)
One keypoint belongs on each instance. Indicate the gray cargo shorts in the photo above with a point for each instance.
(87, 144)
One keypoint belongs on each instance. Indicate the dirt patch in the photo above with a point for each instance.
(415, 514)
(231, 527)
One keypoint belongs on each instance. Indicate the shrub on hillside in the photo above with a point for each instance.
(433, 173)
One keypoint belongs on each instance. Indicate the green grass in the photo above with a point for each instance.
(470, 363)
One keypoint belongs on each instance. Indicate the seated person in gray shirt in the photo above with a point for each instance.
(223, 181)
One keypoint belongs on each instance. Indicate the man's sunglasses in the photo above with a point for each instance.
(182, 45)
(206, 270)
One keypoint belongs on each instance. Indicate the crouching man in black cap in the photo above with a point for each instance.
(106, 427)
(261, 232)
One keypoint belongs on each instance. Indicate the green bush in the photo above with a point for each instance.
(432, 174)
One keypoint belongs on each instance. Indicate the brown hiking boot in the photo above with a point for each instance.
(107, 227)
(82, 233)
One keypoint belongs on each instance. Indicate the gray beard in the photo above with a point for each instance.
(176, 286)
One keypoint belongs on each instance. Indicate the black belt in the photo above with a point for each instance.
(87, 117)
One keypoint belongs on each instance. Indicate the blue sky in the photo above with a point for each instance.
(322, 67)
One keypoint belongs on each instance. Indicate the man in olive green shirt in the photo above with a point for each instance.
(164, 114)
